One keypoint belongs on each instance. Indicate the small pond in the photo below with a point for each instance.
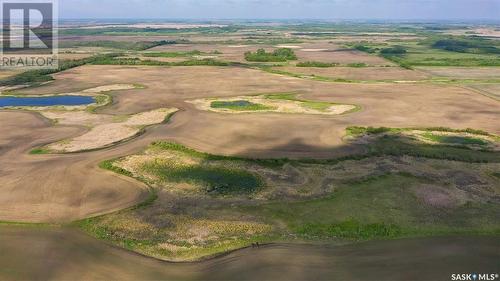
(7, 101)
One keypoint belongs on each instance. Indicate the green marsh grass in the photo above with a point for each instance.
(240, 105)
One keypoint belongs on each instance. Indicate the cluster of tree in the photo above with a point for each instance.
(365, 49)
(396, 50)
(466, 46)
(278, 55)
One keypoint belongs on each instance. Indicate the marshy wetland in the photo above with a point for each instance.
(369, 151)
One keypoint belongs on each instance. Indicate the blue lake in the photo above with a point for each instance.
(45, 101)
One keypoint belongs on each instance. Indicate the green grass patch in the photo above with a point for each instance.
(39, 151)
(393, 145)
(219, 180)
(315, 105)
(380, 207)
(436, 51)
(454, 139)
(108, 165)
(357, 131)
(350, 229)
(240, 105)
(398, 145)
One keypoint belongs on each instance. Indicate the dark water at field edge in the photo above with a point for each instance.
(6, 101)
(28, 253)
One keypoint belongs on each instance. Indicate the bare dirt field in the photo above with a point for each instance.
(77, 188)
(47, 188)
(463, 72)
(320, 51)
(416, 105)
(358, 73)
(233, 53)
(491, 90)
(74, 256)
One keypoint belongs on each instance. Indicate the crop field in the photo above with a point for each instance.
(207, 138)
(463, 72)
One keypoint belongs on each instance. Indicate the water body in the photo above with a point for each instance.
(45, 101)
(29, 253)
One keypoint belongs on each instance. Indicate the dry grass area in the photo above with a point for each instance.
(105, 130)
(6, 73)
(358, 73)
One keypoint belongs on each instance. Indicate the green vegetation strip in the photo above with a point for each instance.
(398, 145)
(454, 139)
(240, 105)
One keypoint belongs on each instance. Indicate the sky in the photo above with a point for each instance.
(282, 9)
